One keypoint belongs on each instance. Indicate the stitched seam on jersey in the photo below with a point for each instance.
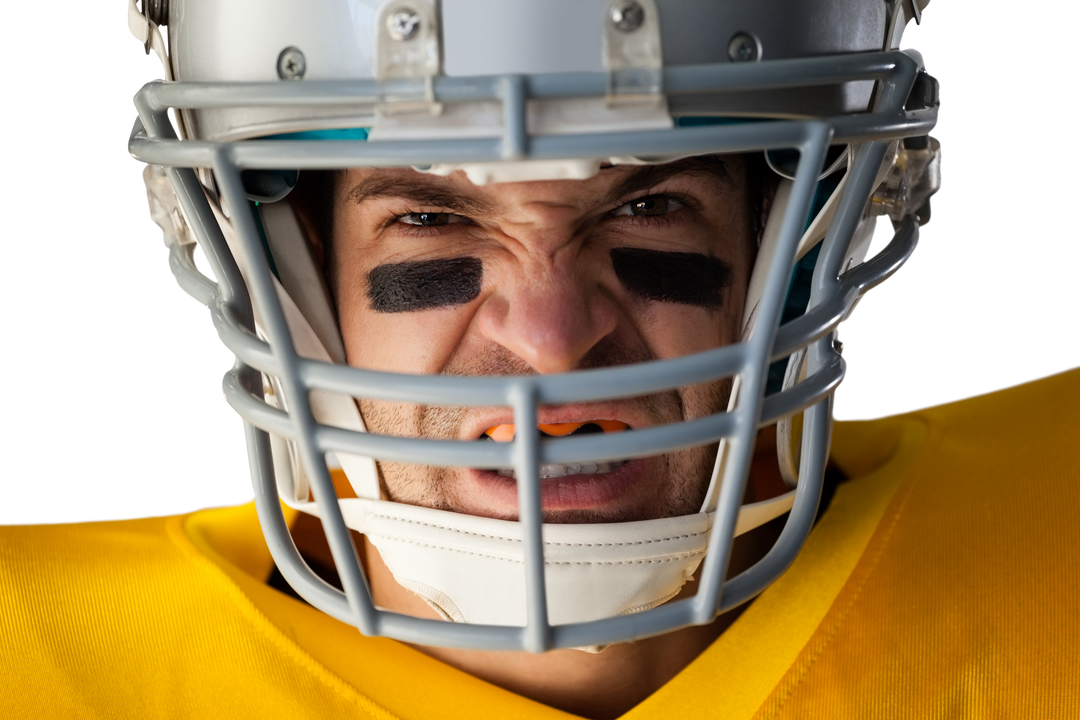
(793, 684)
(546, 562)
(552, 544)
(174, 528)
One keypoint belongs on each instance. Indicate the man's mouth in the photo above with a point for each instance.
(505, 433)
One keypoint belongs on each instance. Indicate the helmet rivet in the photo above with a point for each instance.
(403, 24)
(627, 16)
(291, 64)
(743, 47)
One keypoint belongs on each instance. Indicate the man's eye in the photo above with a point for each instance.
(431, 219)
(650, 206)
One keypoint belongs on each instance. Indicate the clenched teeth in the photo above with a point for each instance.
(505, 433)
(555, 470)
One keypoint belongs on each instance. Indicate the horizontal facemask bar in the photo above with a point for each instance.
(895, 70)
(640, 443)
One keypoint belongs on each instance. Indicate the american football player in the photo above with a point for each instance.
(534, 307)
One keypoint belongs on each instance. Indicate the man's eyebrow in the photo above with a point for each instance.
(649, 176)
(418, 191)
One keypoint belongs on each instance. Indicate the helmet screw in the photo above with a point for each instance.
(743, 47)
(403, 25)
(291, 64)
(627, 16)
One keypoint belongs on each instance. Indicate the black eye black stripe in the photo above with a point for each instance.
(423, 285)
(685, 278)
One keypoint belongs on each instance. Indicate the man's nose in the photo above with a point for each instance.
(548, 315)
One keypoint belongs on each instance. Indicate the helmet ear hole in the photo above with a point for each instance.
(268, 185)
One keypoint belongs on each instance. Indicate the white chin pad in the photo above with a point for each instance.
(472, 569)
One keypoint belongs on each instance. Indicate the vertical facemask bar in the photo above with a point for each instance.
(227, 174)
(752, 378)
(836, 246)
(817, 424)
(537, 632)
(515, 139)
(863, 175)
(205, 229)
(279, 539)
(825, 283)
(229, 295)
(180, 262)
(199, 216)
(817, 421)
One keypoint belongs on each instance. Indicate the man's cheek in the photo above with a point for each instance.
(673, 277)
(424, 285)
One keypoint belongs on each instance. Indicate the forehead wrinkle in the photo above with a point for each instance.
(648, 176)
(416, 190)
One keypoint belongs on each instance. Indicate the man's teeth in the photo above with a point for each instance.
(505, 433)
(555, 470)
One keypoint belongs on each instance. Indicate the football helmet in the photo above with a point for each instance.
(259, 91)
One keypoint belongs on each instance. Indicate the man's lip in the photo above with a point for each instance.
(474, 429)
(492, 495)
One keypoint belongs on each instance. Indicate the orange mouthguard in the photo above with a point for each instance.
(505, 433)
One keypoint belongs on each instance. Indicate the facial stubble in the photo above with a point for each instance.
(680, 478)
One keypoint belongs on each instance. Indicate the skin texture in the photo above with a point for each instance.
(550, 299)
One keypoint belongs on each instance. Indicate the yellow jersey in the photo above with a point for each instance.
(942, 582)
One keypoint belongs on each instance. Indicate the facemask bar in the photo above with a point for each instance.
(832, 296)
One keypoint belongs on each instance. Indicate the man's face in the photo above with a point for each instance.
(435, 275)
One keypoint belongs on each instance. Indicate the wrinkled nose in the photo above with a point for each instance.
(548, 315)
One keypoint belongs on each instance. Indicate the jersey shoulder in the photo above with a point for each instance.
(168, 617)
(964, 601)
(940, 581)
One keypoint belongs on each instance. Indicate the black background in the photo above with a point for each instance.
(112, 374)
